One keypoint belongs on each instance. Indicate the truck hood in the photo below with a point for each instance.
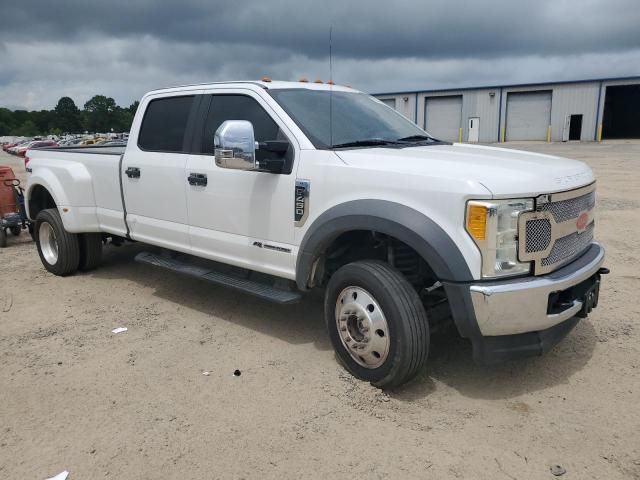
(504, 172)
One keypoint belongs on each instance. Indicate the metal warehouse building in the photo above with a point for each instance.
(587, 110)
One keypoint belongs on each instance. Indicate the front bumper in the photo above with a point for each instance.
(527, 316)
(520, 306)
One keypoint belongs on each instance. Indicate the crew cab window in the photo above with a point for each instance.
(239, 107)
(164, 124)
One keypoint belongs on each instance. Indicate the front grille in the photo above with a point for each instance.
(568, 209)
(538, 235)
(549, 236)
(567, 247)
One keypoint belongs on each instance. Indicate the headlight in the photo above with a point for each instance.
(493, 225)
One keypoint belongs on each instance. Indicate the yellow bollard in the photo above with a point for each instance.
(599, 133)
(502, 135)
(549, 134)
(460, 135)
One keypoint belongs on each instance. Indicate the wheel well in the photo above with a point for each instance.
(40, 199)
(358, 245)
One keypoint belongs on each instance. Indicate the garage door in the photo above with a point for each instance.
(528, 115)
(389, 102)
(443, 117)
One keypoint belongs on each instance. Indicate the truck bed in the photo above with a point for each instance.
(95, 203)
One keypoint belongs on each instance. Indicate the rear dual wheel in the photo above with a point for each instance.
(377, 323)
(63, 253)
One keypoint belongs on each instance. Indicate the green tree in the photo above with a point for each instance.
(133, 108)
(67, 116)
(27, 129)
(100, 113)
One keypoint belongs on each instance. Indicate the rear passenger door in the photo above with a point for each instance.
(245, 218)
(153, 172)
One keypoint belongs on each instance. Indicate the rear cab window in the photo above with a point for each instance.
(164, 124)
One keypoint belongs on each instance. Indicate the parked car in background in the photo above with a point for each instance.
(14, 149)
(21, 152)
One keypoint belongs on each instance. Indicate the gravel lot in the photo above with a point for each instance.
(134, 405)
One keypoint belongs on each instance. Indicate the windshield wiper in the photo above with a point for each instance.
(371, 142)
(412, 138)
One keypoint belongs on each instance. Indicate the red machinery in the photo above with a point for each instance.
(13, 216)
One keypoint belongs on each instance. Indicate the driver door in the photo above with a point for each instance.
(244, 218)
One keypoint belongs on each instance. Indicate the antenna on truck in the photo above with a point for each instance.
(330, 86)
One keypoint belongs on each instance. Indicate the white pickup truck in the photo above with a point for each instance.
(275, 188)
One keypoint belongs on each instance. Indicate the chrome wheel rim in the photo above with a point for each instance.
(48, 243)
(362, 327)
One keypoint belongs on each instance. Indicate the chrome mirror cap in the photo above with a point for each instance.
(235, 146)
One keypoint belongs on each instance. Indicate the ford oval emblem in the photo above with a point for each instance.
(582, 221)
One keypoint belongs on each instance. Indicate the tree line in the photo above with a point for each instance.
(100, 114)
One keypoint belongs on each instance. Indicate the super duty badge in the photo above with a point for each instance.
(301, 202)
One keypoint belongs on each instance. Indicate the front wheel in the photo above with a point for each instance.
(15, 231)
(3, 237)
(58, 249)
(377, 323)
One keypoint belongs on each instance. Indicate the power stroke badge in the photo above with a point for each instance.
(301, 202)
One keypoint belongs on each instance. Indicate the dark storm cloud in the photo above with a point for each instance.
(363, 29)
(124, 47)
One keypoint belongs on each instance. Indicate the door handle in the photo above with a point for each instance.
(197, 179)
(132, 172)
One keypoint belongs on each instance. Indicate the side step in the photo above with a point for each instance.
(258, 289)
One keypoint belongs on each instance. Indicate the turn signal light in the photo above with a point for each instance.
(477, 222)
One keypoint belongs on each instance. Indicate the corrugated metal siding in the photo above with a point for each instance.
(574, 100)
(580, 97)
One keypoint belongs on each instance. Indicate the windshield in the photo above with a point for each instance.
(357, 119)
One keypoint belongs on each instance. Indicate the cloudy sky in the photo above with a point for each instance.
(122, 48)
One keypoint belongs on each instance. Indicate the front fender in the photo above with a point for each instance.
(396, 220)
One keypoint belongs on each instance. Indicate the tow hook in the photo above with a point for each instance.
(603, 271)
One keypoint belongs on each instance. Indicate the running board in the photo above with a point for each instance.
(252, 287)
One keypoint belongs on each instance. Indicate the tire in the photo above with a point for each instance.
(3, 238)
(385, 356)
(90, 250)
(15, 231)
(59, 250)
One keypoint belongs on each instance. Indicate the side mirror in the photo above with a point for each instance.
(235, 146)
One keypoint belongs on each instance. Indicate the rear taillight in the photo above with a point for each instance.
(26, 161)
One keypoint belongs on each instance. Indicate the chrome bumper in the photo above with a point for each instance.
(520, 306)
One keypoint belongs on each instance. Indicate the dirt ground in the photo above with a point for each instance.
(74, 396)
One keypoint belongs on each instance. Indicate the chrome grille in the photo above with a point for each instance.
(567, 247)
(568, 209)
(552, 235)
(538, 235)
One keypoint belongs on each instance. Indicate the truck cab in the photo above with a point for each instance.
(277, 188)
